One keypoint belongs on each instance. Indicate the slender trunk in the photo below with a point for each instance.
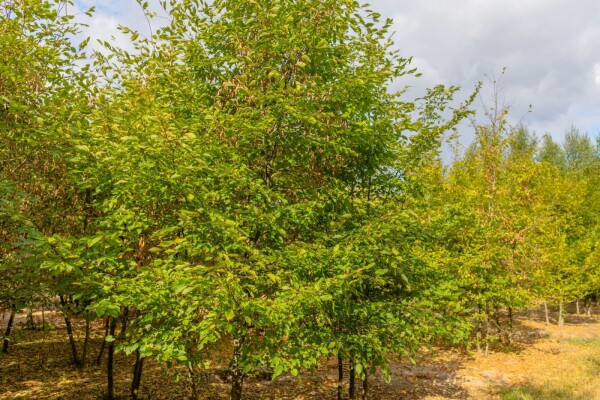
(44, 317)
(30, 322)
(510, 326)
(137, 375)
(11, 320)
(237, 376)
(486, 335)
(561, 317)
(340, 376)
(110, 392)
(482, 330)
(352, 379)
(588, 307)
(86, 341)
(74, 355)
(497, 320)
(99, 359)
(546, 313)
(577, 307)
(365, 386)
(479, 329)
(192, 381)
(124, 316)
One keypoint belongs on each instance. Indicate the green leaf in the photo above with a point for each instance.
(278, 370)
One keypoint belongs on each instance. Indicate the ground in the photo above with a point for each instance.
(546, 362)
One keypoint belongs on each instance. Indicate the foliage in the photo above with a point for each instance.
(243, 179)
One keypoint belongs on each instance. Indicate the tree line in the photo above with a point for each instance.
(244, 176)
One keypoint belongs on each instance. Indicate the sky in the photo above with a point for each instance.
(550, 50)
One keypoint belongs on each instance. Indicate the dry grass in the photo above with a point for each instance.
(574, 375)
(547, 363)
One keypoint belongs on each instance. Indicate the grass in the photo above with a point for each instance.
(581, 381)
(529, 392)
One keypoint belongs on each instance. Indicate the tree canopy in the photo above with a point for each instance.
(245, 179)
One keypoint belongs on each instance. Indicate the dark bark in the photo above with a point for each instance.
(478, 329)
(86, 341)
(510, 326)
(486, 331)
(482, 330)
(137, 375)
(110, 392)
(30, 321)
(497, 319)
(124, 318)
(352, 380)
(106, 326)
(74, 355)
(192, 381)
(365, 385)
(44, 317)
(9, 326)
(340, 376)
(237, 376)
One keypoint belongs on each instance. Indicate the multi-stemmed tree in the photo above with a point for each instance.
(228, 148)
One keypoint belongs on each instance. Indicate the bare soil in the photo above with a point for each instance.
(39, 367)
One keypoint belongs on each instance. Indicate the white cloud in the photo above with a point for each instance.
(550, 48)
(105, 27)
(109, 15)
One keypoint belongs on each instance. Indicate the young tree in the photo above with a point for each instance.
(37, 70)
(229, 144)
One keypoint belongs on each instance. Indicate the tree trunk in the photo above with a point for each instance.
(546, 313)
(352, 383)
(86, 341)
(479, 330)
(510, 326)
(561, 317)
(237, 376)
(365, 385)
(588, 307)
(478, 337)
(137, 375)
(237, 384)
(577, 307)
(482, 330)
(192, 381)
(496, 317)
(124, 318)
(11, 320)
(30, 321)
(99, 359)
(44, 317)
(486, 335)
(110, 392)
(74, 355)
(340, 377)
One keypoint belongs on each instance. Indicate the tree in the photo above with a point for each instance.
(228, 147)
(243, 177)
(551, 152)
(37, 74)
